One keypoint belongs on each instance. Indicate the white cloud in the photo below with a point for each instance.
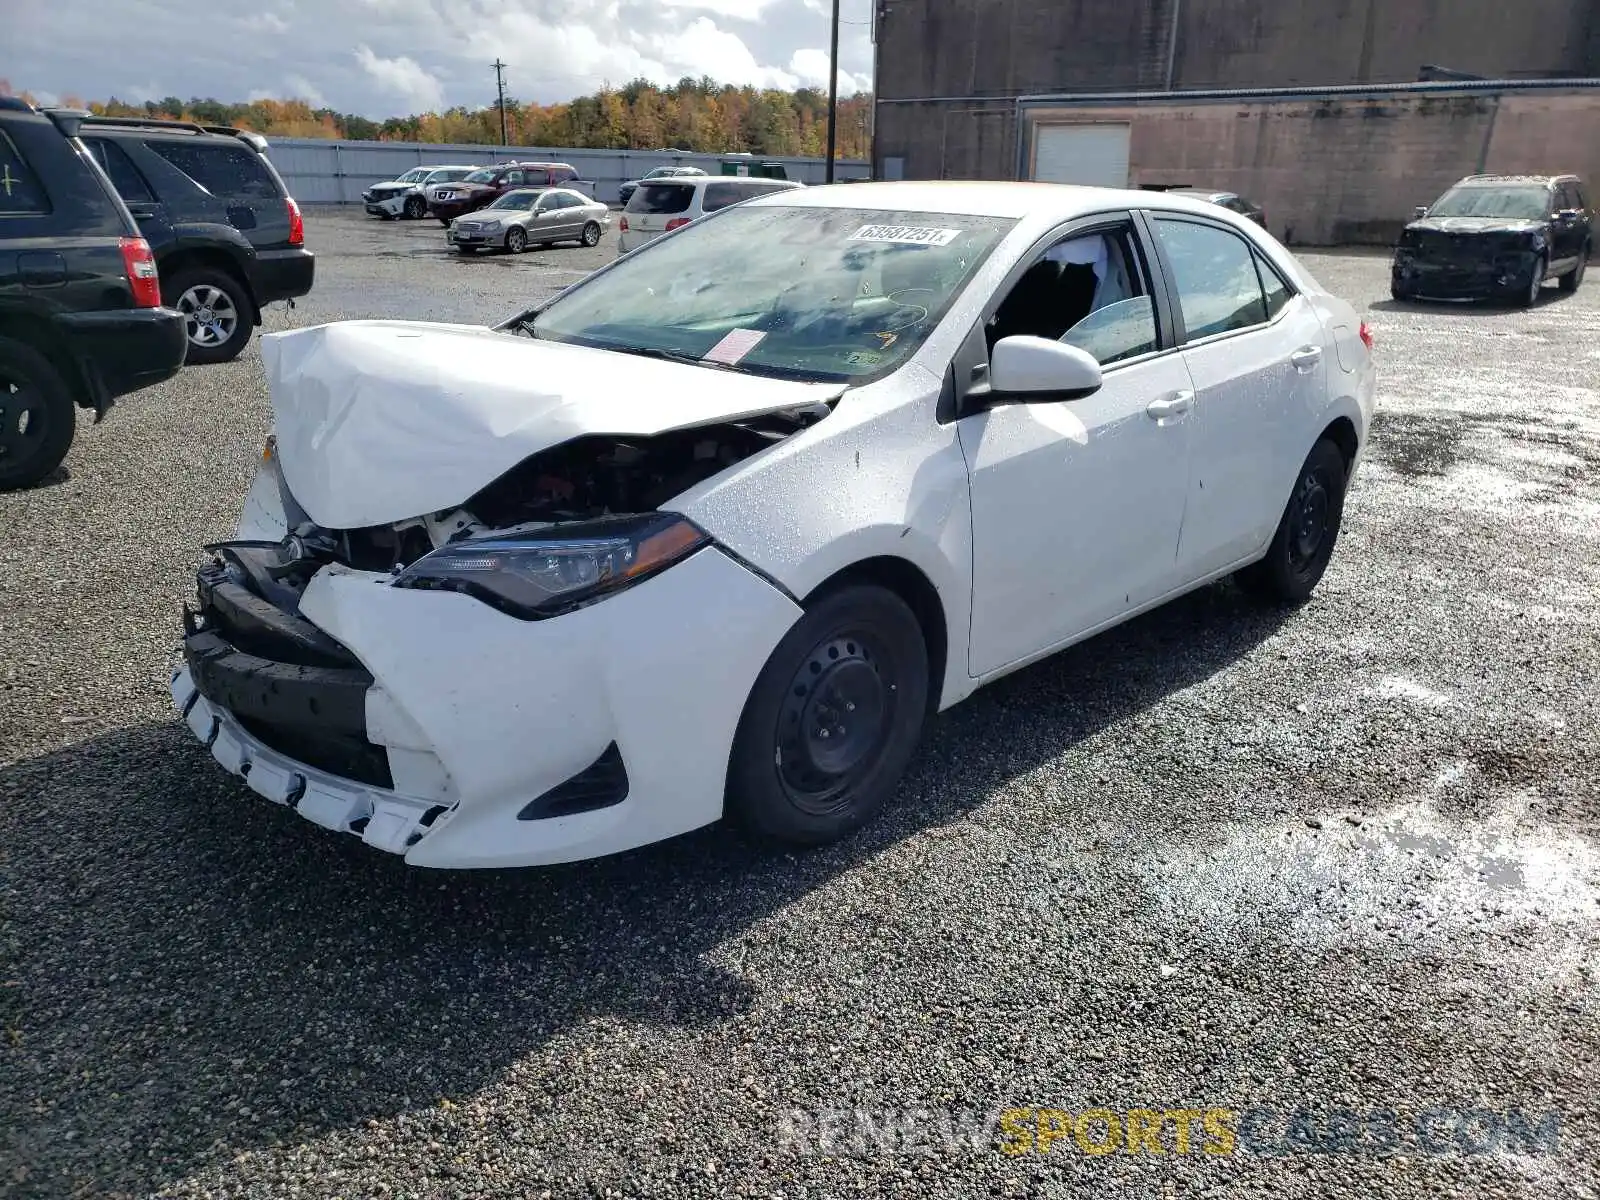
(745, 9)
(403, 77)
(266, 22)
(301, 88)
(705, 49)
(810, 67)
(418, 54)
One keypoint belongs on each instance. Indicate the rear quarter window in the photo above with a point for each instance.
(21, 194)
(230, 172)
(660, 199)
(725, 195)
(125, 177)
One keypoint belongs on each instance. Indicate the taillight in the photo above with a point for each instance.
(143, 278)
(677, 223)
(623, 226)
(297, 225)
(1366, 335)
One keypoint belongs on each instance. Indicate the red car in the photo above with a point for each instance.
(447, 201)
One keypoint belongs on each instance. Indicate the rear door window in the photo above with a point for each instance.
(230, 172)
(1218, 288)
(1569, 200)
(124, 175)
(20, 192)
(661, 199)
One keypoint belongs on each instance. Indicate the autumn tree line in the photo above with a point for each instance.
(697, 115)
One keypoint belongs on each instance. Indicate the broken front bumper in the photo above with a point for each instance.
(482, 740)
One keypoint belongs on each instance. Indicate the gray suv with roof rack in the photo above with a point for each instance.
(227, 236)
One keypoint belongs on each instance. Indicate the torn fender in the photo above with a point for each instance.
(380, 421)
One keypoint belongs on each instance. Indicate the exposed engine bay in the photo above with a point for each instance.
(580, 480)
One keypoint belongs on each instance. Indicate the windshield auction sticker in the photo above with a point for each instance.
(905, 235)
(734, 347)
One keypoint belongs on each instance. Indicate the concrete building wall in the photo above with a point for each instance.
(1349, 170)
(998, 48)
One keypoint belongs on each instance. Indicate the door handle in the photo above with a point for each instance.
(142, 212)
(1306, 357)
(1174, 405)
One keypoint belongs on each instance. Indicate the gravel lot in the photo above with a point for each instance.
(1339, 859)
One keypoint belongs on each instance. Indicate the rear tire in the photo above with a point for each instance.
(1309, 528)
(467, 251)
(832, 721)
(207, 291)
(37, 416)
(1571, 281)
(591, 234)
(416, 208)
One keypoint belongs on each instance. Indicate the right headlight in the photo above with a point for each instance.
(544, 575)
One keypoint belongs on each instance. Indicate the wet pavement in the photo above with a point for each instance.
(1328, 880)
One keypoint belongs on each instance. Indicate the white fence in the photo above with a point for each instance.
(336, 172)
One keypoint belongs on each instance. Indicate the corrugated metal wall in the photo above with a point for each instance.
(336, 172)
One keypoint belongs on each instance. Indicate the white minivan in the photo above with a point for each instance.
(659, 206)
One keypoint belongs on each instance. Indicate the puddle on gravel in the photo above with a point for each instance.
(1422, 445)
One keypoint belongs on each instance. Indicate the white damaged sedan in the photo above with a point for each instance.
(717, 529)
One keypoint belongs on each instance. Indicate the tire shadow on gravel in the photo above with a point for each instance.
(190, 972)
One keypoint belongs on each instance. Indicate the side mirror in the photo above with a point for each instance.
(1033, 370)
(1419, 212)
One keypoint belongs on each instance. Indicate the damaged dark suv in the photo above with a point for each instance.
(1496, 237)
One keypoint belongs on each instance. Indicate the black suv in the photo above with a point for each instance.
(1496, 237)
(81, 320)
(226, 233)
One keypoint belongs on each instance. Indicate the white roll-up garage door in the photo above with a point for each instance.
(1091, 154)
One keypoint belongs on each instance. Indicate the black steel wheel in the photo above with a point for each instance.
(1301, 548)
(591, 234)
(37, 416)
(833, 719)
(516, 239)
(415, 208)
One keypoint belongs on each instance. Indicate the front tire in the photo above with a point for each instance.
(37, 416)
(1530, 297)
(591, 234)
(416, 208)
(832, 721)
(1306, 534)
(216, 310)
(516, 239)
(1573, 279)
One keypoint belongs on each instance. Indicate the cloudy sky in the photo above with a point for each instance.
(381, 58)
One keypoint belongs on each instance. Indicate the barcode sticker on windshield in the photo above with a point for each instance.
(905, 235)
(734, 347)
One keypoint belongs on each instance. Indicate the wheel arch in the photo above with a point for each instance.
(912, 585)
(191, 258)
(41, 335)
(1341, 431)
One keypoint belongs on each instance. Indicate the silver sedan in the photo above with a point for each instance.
(531, 217)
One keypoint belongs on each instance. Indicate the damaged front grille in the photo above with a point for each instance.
(286, 682)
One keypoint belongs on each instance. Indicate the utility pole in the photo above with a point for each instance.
(833, 93)
(500, 86)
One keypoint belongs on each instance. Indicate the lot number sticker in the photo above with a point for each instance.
(734, 347)
(905, 235)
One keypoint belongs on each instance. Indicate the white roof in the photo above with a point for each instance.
(1054, 202)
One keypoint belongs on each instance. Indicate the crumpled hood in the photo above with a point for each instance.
(380, 421)
(1476, 225)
